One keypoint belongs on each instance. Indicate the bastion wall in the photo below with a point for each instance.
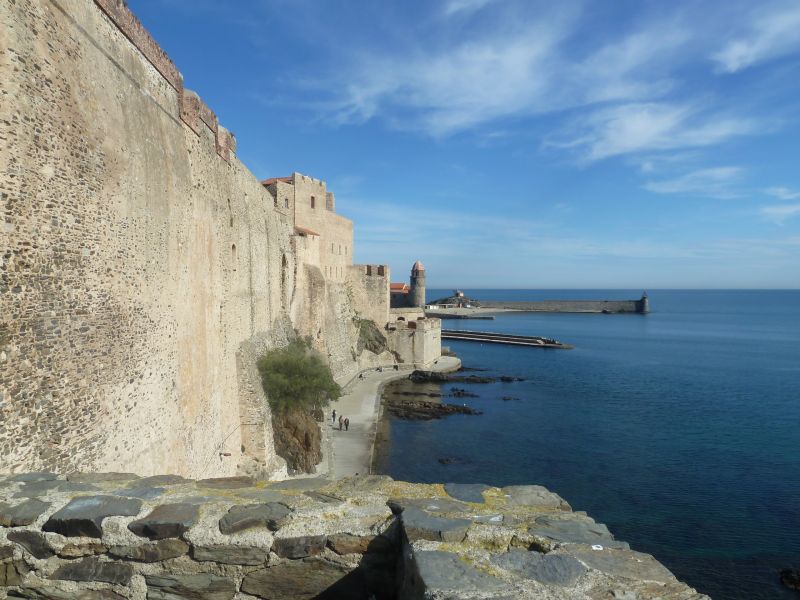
(143, 268)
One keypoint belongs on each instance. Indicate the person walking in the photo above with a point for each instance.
(346, 424)
(334, 416)
(340, 422)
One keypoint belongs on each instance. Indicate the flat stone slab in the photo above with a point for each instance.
(347, 543)
(446, 572)
(302, 580)
(420, 525)
(466, 492)
(302, 485)
(575, 530)
(157, 480)
(80, 550)
(12, 573)
(33, 541)
(299, 547)
(550, 569)
(203, 586)
(51, 592)
(231, 555)
(6, 552)
(39, 488)
(143, 493)
(23, 513)
(101, 477)
(434, 505)
(241, 517)
(84, 516)
(93, 569)
(166, 521)
(534, 496)
(624, 563)
(152, 552)
(226, 483)
(34, 476)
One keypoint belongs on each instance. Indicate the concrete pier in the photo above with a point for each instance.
(503, 338)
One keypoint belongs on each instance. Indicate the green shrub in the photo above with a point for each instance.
(295, 377)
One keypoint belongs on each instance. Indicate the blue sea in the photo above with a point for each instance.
(679, 429)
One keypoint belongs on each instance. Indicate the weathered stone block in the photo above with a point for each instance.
(38, 488)
(79, 550)
(550, 569)
(467, 492)
(303, 580)
(534, 496)
(271, 515)
(33, 476)
(12, 573)
(226, 483)
(624, 563)
(158, 480)
(6, 552)
(33, 541)
(576, 529)
(419, 525)
(143, 493)
(446, 572)
(84, 516)
(346, 543)
(51, 592)
(93, 569)
(231, 555)
(101, 477)
(166, 521)
(203, 586)
(153, 552)
(299, 547)
(23, 513)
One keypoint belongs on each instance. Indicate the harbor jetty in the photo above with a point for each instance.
(460, 306)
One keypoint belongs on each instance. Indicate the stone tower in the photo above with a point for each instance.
(417, 292)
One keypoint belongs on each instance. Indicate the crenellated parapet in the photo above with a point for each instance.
(191, 108)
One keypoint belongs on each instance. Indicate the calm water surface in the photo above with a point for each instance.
(680, 429)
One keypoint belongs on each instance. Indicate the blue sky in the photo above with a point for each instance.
(518, 143)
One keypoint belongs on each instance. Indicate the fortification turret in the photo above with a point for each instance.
(417, 291)
(644, 304)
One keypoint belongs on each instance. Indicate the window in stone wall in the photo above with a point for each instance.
(286, 202)
(313, 201)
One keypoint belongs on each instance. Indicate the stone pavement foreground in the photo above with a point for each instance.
(115, 536)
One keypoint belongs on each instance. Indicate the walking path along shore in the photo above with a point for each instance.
(350, 452)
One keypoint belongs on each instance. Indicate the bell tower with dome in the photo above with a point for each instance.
(417, 291)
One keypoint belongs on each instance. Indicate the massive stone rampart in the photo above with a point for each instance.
(143, 267)
(115, 536)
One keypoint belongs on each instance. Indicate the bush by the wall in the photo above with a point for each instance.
(295, 377)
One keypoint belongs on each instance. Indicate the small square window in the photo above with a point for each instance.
(313, 201)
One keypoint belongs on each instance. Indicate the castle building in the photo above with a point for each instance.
(412, 294)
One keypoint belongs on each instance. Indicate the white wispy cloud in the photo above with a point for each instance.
(780, 213)
(783, 193)
(454, 7)
(715, 182)
(646, 127)
(772, 32)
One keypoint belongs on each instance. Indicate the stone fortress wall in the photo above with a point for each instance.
(114, 536)
(143, 267)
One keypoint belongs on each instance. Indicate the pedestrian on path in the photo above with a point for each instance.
(346, 424)
(334, 416)
(340, 422)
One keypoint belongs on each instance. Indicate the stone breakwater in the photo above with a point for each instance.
(114, 536)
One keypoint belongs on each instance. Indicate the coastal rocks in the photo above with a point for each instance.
(434, 377)
(791, 578)
(421, 410)
(84, 516)
(298, 440)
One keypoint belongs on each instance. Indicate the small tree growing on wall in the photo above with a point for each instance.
(295, 377)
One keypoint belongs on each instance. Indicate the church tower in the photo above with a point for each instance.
(417, 291)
